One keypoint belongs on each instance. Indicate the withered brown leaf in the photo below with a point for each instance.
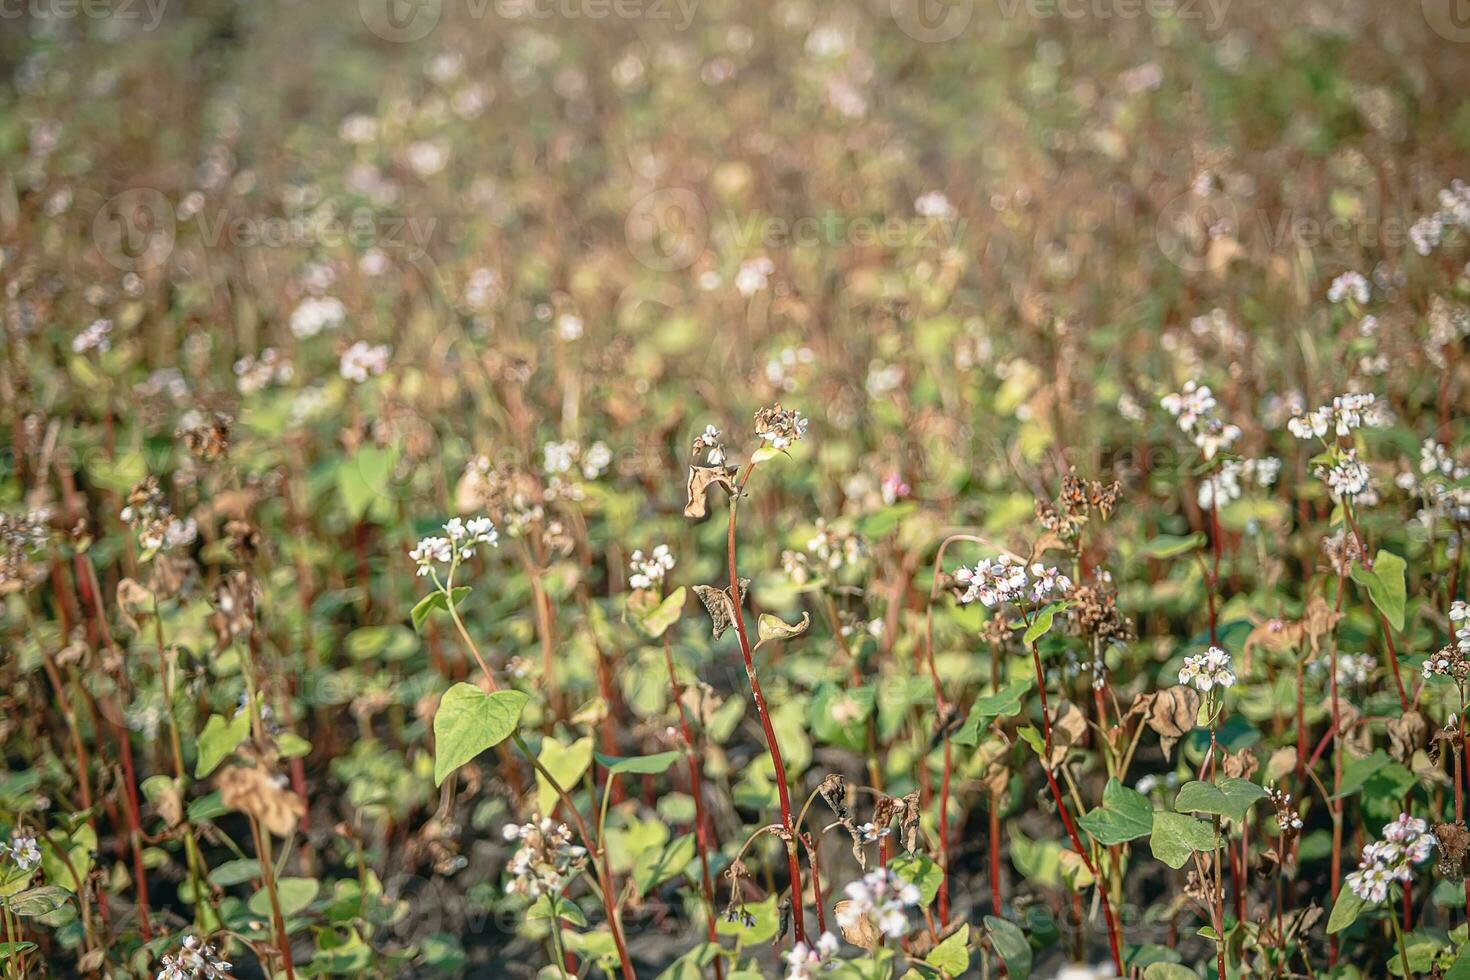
(252, 790)
(720, 605)
(701, 478)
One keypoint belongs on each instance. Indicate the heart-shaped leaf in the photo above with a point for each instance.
(468, 722)
(1125, 815)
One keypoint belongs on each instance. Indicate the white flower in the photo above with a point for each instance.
(1045, 581)
(935, 205)
(804, 960)
(95, 337)
(754, 275)
(1347, 477)
(779, 427)
(315, 314)
(880, 898)
(431, 550)
(363, 360)
(195, 960)
(650, 571)
(994, 581)
(1208, 670)
(569, 326)
(1349, 284)
(24, 852)
(1406, 842)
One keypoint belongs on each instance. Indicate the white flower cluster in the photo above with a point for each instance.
(651, 570)
(1347, 477)
(1427, 233)
(23, 852)
(1208, 670)
(1224, 484)
(195, 960)
(708, 442)
(1355, 668)
(315, 314)
(882, 899)
(1444, 485)
(754, 275)
(363, 360)
(1452, 660)
(1349, 285)
(1194, 409)
(546, 860)
(834, 548)
(560, 458)
(1346, 413)
(457, 544)
(257, 373)
(779, 428)
(97, 336)
(803, 962)
(1004, 579)
(1406, 842)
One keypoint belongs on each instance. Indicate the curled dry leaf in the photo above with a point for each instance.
(720, 606)
(860, 932)
(1282, 762)
(1069, 729)
(1406, 734)
(1171, 713)
(252, 790)
(701, 478)
(1240, 765)
(1454, 843)
(135, 602)
(774, 628)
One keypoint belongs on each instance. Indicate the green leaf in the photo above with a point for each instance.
(1385, 585)
(41, 900)
(774, 628)
(1175, 835)
(654, 866)
(1169, 971)
(550, 905)
(235, 872)
(1002, 704)
(1125, 815)
(1010, 944)
(1173, 545)
(665, 614)
(435, 600)
(643, 765)
(1042, 623)
(919, 870)
(468, 722)
(218, 740)
(295, 895)
(7, 950)
(391, 643)
(1228, 798)
(566, 763)
(1461, 968)
(292, 746)
(953, 955)
(363, 477)
(1345, 911)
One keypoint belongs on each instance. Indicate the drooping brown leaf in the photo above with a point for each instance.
(1406, 734)
(701, 478)
(1171, 713)
(1240, 765)
(1069, 728)
(252, 790)
(135, 602)
(1454, 842)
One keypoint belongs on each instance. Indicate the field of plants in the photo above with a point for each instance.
(884, 490)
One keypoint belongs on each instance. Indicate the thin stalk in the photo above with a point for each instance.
(772, 746)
